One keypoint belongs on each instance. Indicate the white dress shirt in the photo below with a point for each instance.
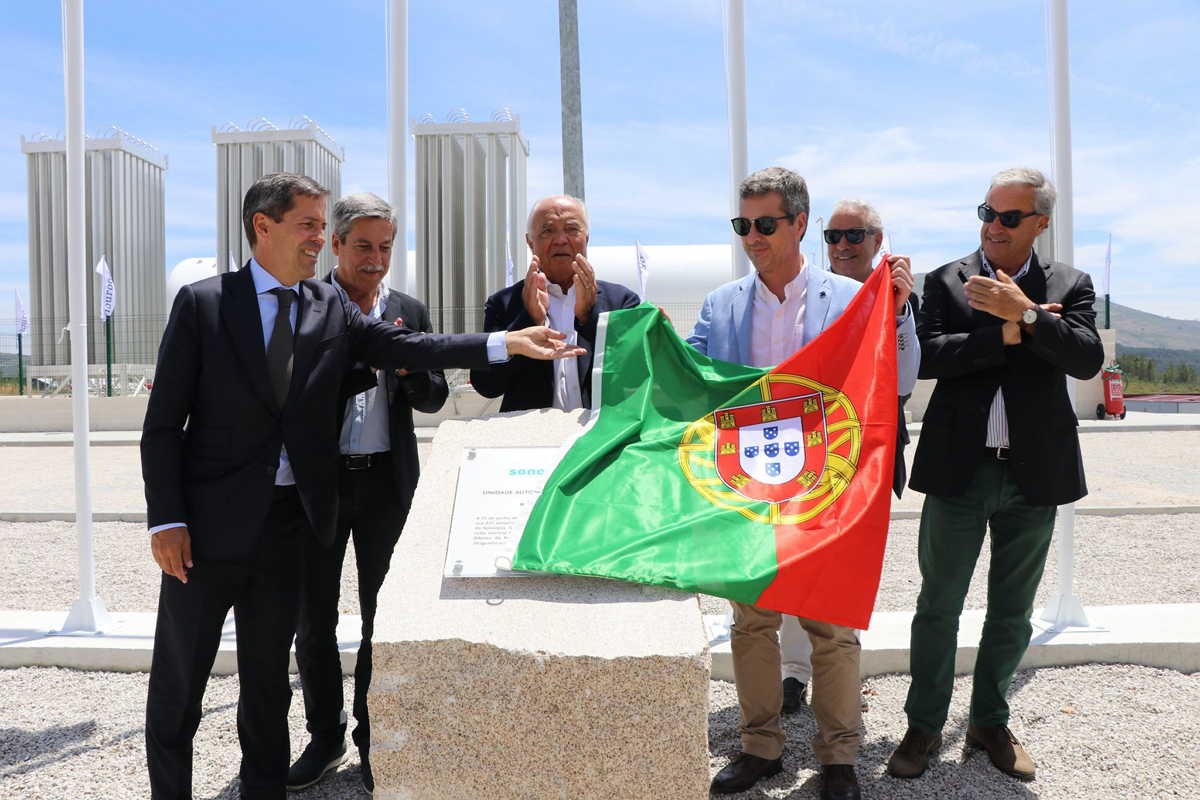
(997, 425)
(561, 312)
(777, 329)
(365, 424)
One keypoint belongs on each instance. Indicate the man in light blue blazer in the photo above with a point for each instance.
(760, 320)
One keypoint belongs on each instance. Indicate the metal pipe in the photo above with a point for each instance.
(87, 613)
(398, 138)
(735, 88)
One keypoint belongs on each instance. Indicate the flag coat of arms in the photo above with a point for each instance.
(769, 487)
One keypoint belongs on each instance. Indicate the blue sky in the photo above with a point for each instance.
(910, 105)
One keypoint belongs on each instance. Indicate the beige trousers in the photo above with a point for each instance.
(836, 694)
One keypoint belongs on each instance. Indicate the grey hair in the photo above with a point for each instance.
(354, 207)
(275, 195)
(587, 225)
(1044, 193)
(863, 209)
(790, 186)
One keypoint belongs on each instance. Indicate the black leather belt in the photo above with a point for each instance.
(362, 461)
(998, 453)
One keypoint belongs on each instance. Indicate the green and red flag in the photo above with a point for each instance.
(766, 486)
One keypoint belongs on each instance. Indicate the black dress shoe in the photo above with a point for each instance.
(743, 772)
(793, 695)
(314, 763)
(838, 782)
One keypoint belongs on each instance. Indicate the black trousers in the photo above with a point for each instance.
(372, 511)
(264, 594)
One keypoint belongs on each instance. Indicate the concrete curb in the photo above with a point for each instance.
(140, 516)
(1164, 636)
(33, 639)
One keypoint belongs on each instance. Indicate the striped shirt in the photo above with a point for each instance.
(997, 426)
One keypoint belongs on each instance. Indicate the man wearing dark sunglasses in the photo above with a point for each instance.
(854, 238)
(760, 320)
(1000, 330)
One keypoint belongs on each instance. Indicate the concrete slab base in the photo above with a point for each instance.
(32, 639)
(1165, 636)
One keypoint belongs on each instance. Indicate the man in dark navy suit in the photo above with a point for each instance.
(559, 290)
(240, 462)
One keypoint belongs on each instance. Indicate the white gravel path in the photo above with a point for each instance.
(1097, 732)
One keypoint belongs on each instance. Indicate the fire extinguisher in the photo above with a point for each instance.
(1113, 406)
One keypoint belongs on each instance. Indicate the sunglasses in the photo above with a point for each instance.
(1009, 219)
(853, 235)
(766, 225)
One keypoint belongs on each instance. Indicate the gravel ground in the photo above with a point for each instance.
(1097, 732)
(1123, 469)
(1108, 570)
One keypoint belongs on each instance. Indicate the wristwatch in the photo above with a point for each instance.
(1029, 316)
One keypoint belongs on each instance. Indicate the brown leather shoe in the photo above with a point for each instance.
(1002, 748)
(911, 758)
(838, 782)
(743, 772)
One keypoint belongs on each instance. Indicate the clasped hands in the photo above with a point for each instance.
(1002, 297)
(536, 293)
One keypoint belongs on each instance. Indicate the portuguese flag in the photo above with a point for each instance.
(766, 486)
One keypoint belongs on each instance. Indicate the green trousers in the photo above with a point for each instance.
(951, 535)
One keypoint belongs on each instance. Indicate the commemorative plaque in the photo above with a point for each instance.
(497, 487)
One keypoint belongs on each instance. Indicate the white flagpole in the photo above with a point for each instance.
(397, 38)
(821, 248)
(88, 612)
(1063, 609)
(735, 87)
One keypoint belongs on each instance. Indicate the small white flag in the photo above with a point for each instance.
(643, 269)
(1108, 266)
(510, 276)
(886, 247)
(232, 264)
(108, 290)
(22, 317)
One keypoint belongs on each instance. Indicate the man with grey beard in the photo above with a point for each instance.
(377, 478)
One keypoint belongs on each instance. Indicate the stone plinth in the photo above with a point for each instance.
(538, 687)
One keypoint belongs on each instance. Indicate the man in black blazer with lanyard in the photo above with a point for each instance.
(1000, 330)
(240, 463)
(559, 290)
(377, 478)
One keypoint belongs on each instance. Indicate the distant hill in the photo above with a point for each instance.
(1140, 330)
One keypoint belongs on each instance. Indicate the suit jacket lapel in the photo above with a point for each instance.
(818, 296)
(240, 315)
(743, 300)
(969, 266)
(1033, 284)
(310, 322)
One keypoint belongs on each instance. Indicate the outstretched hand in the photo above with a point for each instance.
(541, 343)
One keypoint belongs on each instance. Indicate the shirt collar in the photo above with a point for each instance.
(556, 291)
(377, 308)
(265, 281)
(791, 290)
(987, 267)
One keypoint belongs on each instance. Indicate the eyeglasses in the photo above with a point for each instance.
(853, 235)
(766, 225)
(1009, 219)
